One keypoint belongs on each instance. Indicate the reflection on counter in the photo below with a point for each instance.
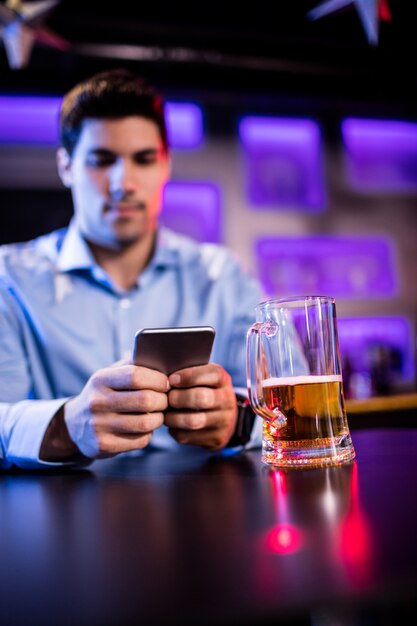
(319, 531)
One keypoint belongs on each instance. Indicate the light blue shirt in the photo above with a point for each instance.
(62, 318)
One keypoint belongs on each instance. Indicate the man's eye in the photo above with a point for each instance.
(100, 160)
(145, 159)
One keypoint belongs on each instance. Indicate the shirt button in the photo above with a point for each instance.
(125, 303)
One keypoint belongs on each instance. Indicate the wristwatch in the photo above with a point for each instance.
(244, 423)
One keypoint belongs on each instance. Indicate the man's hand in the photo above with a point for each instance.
(202, 406)
(117, 411)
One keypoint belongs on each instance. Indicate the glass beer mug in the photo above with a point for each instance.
(295, 383)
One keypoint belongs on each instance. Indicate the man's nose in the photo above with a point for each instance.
(122, 178)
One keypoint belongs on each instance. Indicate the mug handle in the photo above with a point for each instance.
(254, 370)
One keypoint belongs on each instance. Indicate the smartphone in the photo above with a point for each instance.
(170, 349)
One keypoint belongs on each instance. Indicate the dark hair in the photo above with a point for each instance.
(113, 94)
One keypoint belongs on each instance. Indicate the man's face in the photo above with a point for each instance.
(117, 175)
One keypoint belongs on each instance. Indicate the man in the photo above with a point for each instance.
(71, 301)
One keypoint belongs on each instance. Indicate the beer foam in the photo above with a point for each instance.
(302, 380)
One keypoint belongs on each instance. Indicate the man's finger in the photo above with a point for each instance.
(115, 443)
(212, 439)
(129, 377)
(190, 420)
(198, 398)
(210, 375)
(140, 401)
(132, 425)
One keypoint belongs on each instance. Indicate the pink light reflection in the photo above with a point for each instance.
(356, 546)
(284, 539)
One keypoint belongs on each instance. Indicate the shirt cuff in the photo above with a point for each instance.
(24, 426)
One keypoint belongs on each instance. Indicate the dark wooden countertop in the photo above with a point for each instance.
(197, 538)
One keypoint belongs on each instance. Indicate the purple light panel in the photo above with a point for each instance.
(336, 266)
(27, 119)
(184, 125)
(283, 163)
(360, 337)
(193, 209)
(381, 155)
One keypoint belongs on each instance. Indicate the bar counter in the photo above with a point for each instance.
(197, 538)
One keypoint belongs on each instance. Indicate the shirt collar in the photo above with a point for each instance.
(75, 254)
(167, 249)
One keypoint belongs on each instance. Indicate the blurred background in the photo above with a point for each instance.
(293, 127)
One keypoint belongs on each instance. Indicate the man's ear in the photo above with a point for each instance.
(63, 162)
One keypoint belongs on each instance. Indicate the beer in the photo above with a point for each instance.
(305, 412)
